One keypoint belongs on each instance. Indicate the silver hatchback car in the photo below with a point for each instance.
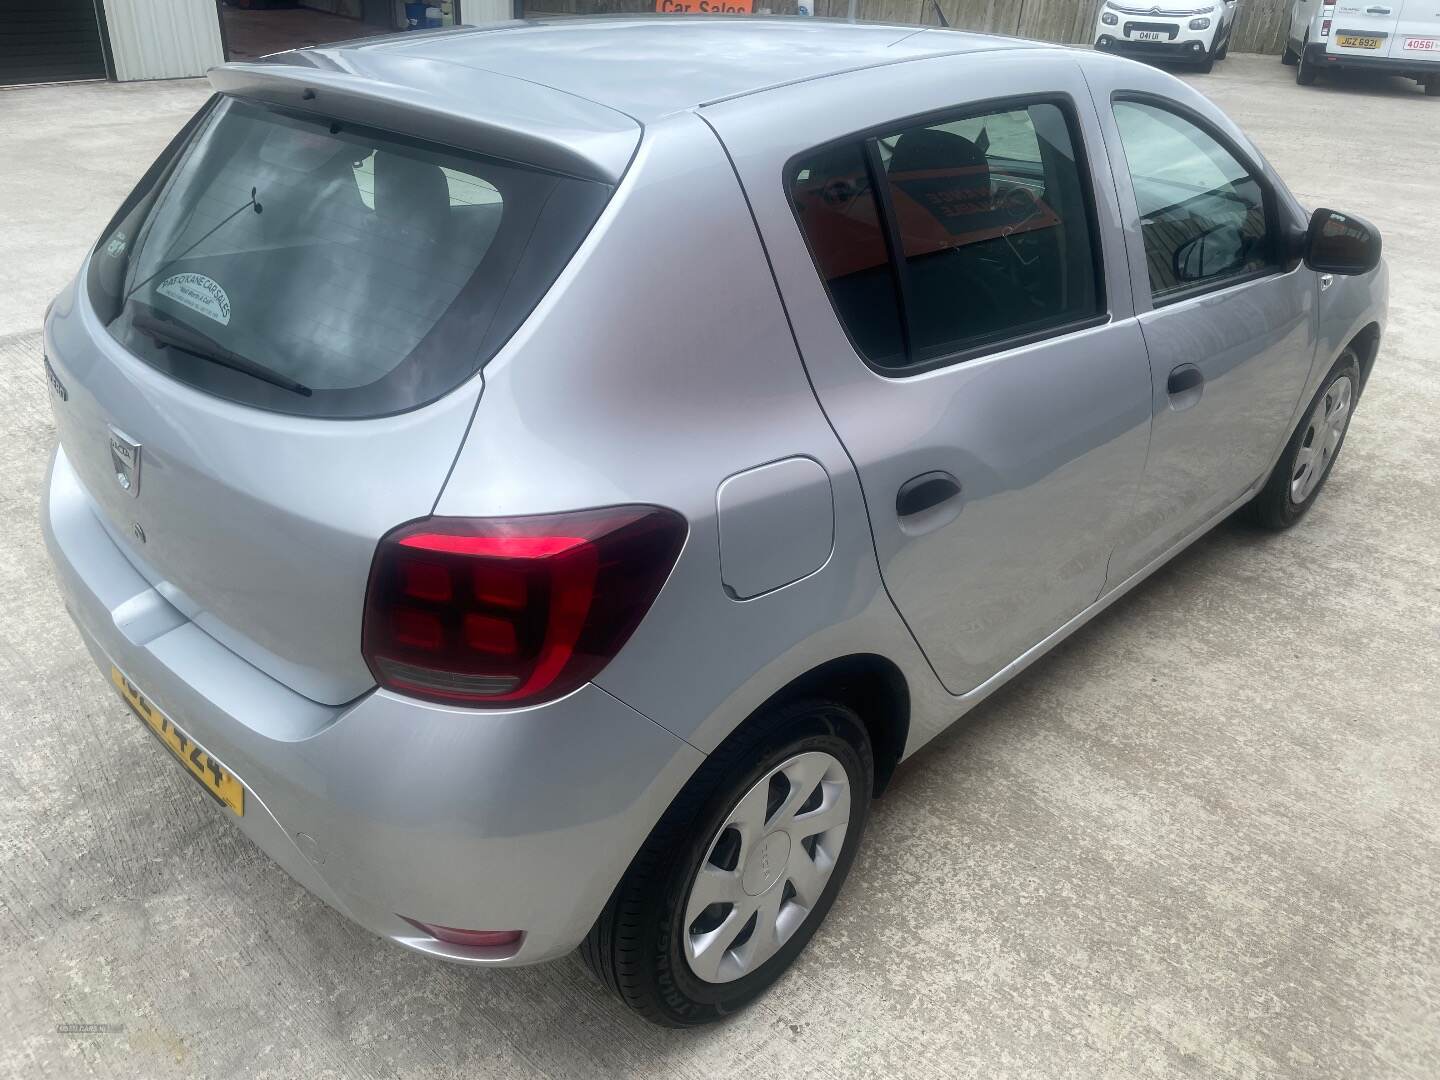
(541, 480)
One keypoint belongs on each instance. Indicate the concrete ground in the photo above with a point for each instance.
(1200, 840)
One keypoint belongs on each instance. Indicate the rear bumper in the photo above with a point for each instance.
(385, 807)
(1382, 65)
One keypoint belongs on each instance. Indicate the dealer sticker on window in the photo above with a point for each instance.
(198, 293)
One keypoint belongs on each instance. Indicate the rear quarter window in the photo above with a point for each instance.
(307, 266)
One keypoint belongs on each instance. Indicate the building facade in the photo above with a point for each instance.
(125, 40)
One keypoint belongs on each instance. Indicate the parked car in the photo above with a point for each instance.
(1392, 37)
(541, 489)
(1197, 34)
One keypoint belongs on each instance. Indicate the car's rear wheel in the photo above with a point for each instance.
(739, 873)
(1432, 86)
(1310, 454)
(1289, 57)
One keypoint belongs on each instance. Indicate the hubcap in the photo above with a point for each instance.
(1323, 431)
(766, 867)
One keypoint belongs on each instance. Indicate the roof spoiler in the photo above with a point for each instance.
(445, 103)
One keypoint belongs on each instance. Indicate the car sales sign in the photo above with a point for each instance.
(705, 7)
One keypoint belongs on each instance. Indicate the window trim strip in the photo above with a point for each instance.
(894, 246)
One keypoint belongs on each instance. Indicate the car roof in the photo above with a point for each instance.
(650, 66)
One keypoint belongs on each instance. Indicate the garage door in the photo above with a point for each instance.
(49, 41)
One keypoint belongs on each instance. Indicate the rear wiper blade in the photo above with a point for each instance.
(167, 332)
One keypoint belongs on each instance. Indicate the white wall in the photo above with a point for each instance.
(163, 39)
(483, 11)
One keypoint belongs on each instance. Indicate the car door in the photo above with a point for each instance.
(1302, 12)
(1362, 28)
(1231, 322)
(1417, 32)
(944, 259)
(1229, 11)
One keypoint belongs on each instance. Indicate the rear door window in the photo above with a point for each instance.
(311, 267)
(945, 240)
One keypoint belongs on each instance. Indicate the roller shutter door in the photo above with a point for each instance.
(50, 41)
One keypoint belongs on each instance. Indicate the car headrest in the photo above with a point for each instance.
(931, 149)
(412, 195)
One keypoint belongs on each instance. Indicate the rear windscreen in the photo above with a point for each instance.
(311, 267)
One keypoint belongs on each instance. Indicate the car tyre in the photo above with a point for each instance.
(1432, 87)
(649, 944)
(1310, 455)
(1224, 49)
(1305, 71)
(1289, 57)
(1207, 65)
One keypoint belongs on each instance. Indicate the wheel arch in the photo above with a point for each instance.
(874, 687)
(1366, 345)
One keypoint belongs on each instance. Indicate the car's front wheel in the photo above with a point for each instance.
(1305, 70)
(737, 876)
(1310, 454)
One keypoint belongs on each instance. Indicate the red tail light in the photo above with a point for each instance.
(512, 611)
(451, 935)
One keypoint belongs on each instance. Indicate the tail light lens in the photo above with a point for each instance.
(481, 939)
(512, 611)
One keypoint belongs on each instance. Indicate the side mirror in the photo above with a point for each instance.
(1214, 252)
(1339, 243)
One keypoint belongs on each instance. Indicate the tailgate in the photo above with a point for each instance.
(271, 357)
(258, 527)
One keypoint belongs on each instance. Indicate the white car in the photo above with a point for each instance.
(1197, 33)
(1393, 37)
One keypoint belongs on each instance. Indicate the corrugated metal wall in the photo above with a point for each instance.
(163, 39)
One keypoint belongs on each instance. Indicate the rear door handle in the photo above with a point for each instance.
(1377, 11)
(1185, 386)
(925, 492)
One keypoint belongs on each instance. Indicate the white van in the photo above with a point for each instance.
(1397, 37)
(1195, 32)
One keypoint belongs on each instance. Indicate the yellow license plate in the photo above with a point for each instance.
(215, 778)
(1350, 41)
